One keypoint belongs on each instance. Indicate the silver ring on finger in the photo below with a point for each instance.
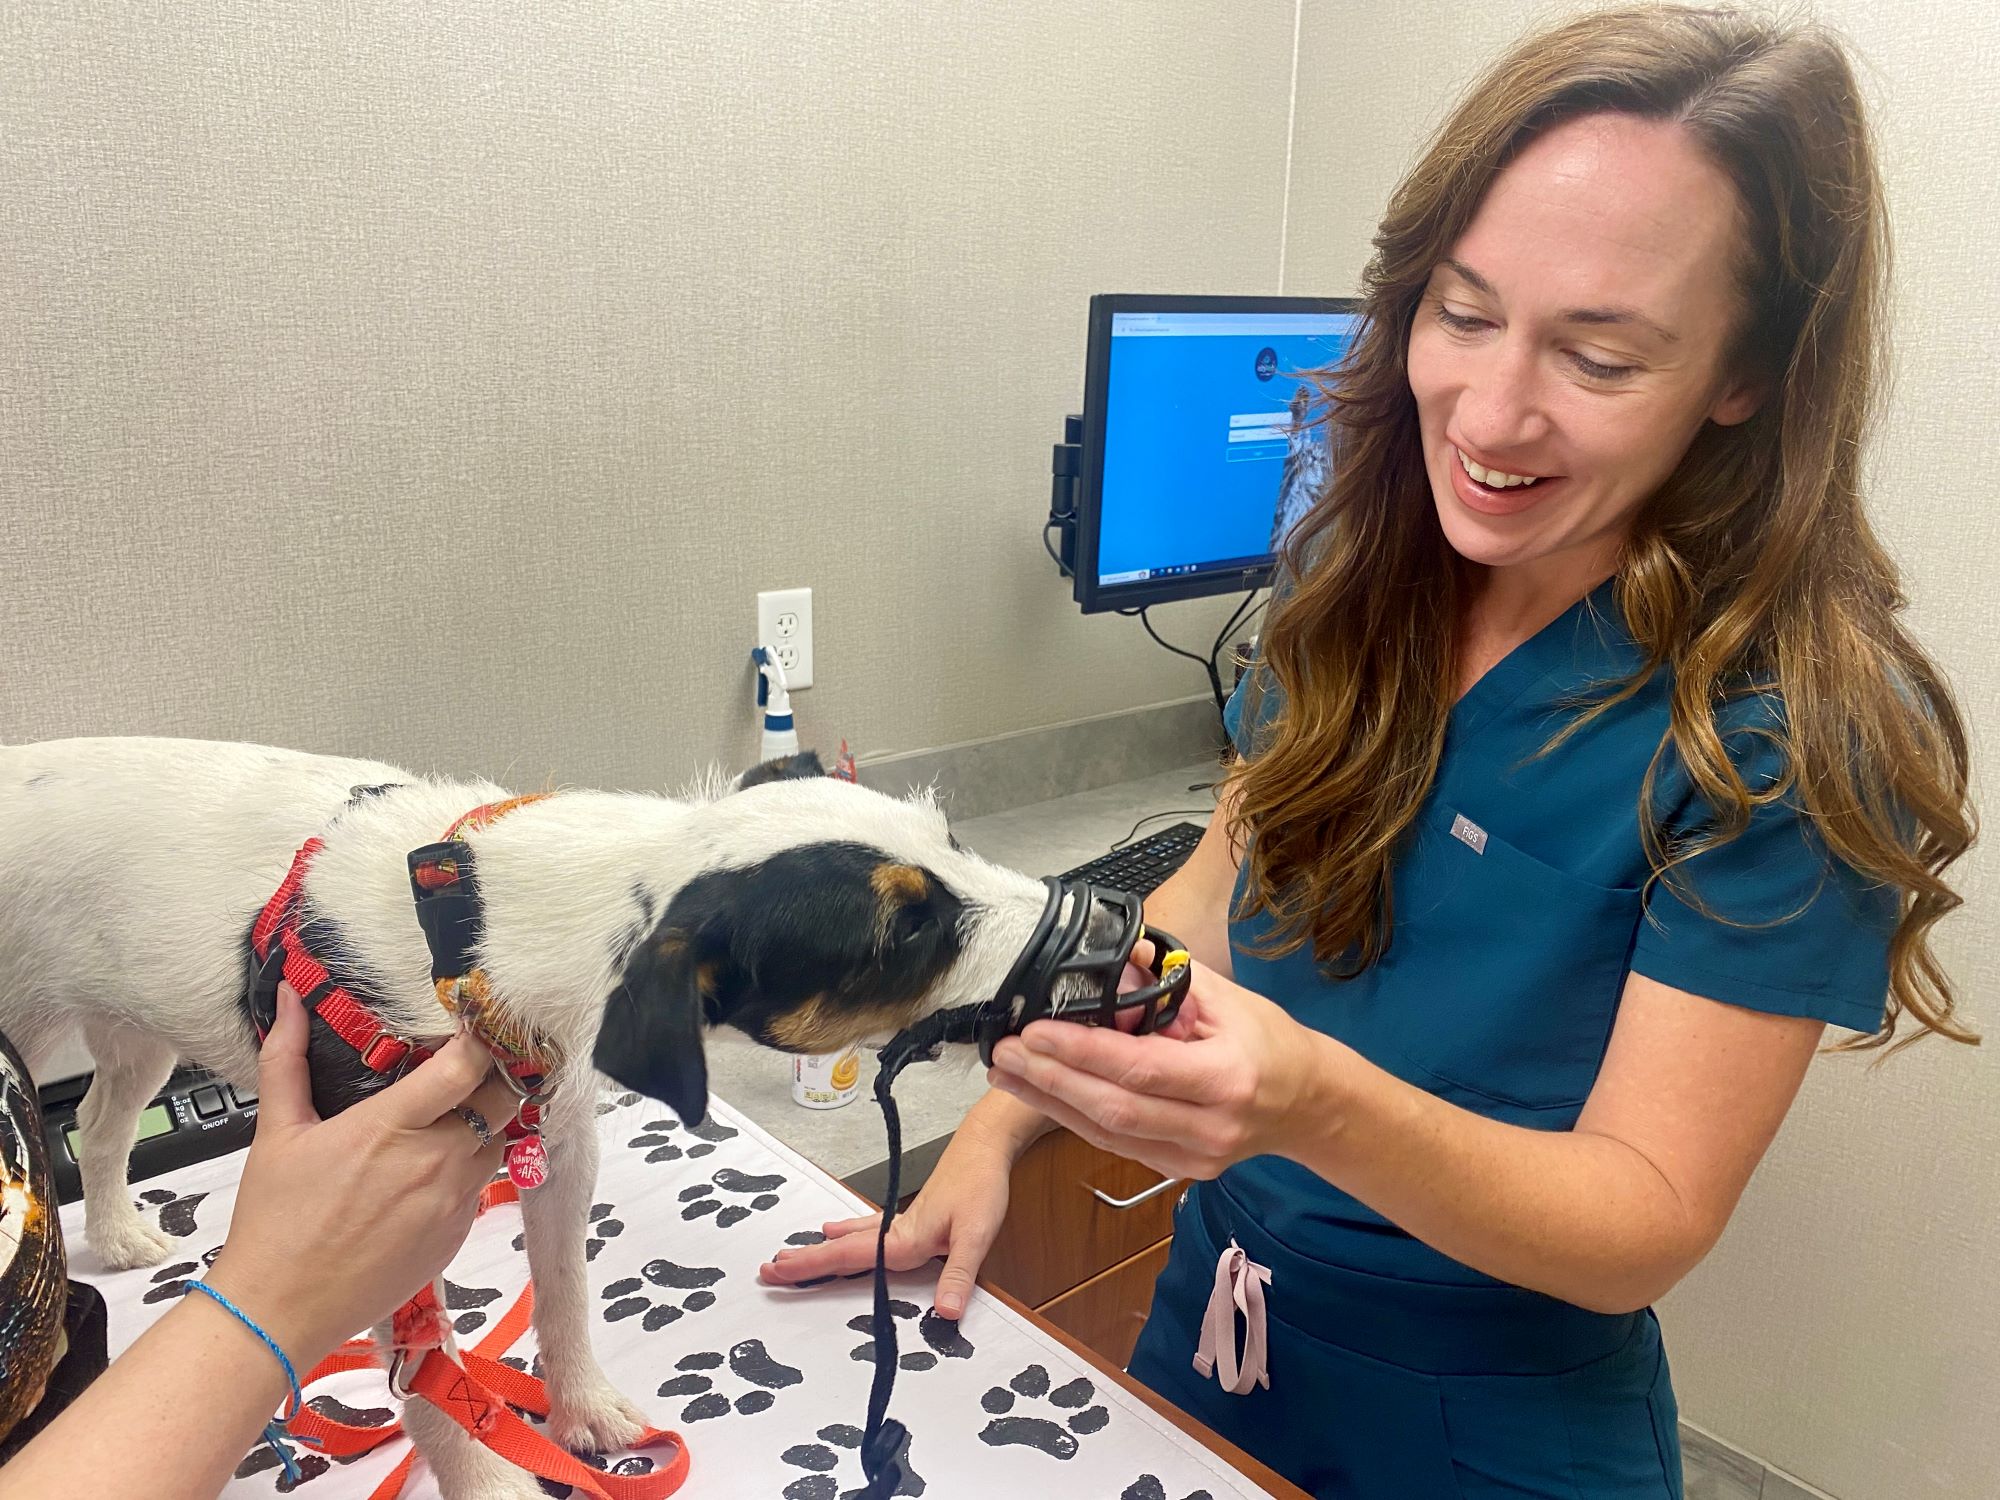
(478, 1123)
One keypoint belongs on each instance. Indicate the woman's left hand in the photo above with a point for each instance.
(1232, 1077)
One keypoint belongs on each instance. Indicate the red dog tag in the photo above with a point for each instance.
(528, 1162)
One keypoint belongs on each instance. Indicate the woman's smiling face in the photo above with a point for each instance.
(1576, 335)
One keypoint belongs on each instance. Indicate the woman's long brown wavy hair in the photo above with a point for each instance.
(1753, 569)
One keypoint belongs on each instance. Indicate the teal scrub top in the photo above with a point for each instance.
(1520, 905)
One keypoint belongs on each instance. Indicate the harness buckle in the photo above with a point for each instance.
(399, 1361)
(386, 1052)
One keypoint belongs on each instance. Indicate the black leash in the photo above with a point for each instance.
(1054, 953)
(886, 1442)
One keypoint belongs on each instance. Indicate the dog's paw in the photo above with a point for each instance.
(600, 1421)
(127, 1244)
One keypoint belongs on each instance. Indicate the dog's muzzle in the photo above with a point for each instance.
(1059, 950)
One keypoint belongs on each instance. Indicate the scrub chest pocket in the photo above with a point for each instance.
(1506, 972)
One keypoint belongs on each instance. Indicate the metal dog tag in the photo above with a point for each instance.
(528, 1162)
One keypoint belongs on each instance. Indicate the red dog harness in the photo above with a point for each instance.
(476, 1394)
(281, 955)
(447, 898)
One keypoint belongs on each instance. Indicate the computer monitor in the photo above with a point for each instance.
(1201, 447)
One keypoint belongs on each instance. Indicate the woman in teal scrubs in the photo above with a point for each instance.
(1586, 778)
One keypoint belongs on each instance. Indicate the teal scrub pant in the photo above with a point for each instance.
(1384, 1388)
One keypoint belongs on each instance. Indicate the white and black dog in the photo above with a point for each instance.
(808, 912)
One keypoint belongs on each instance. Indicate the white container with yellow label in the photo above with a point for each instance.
(828, 1080)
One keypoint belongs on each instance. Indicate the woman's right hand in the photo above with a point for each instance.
(957, 1215)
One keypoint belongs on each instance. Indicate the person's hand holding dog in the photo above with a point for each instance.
(338, 1221)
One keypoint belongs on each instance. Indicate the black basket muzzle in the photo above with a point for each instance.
(1060, 949)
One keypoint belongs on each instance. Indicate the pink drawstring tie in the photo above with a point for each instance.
(1239, 1287)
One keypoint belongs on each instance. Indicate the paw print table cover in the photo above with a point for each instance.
(769, 1386)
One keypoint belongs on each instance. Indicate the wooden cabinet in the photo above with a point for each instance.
(1086, 1234)
(1108, 1310)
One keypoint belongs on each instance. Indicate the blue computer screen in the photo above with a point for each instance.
(1211, 447)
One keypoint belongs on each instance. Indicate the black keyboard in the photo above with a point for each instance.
(1140, 867)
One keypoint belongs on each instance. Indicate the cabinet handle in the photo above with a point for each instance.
(1137, 1198)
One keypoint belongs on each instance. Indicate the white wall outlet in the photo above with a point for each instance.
(785, 624)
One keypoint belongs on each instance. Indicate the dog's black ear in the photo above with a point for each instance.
(650, 1039)
(800, 767)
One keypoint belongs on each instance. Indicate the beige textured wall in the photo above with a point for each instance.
(1844, 1330)
(556, 334)
(441, 381)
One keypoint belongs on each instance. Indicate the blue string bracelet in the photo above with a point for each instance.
(274, 1430)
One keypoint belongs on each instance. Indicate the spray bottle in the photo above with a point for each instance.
(775, 702)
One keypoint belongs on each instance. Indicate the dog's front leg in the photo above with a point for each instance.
(586, 1412)
(466, 1469)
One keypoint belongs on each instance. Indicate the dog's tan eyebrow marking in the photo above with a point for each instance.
(903, 885)
(896, 886)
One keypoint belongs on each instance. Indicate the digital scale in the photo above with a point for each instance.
(195, 1117)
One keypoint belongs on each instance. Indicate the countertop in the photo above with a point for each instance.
(1044, 838)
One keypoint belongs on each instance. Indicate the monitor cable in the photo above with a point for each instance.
(1172, 812)
(1210, 663)
(1049, 547)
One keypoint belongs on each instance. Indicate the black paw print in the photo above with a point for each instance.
(700, 1199)
(657, 1139)
(1148, 1487)
(170, 1282)
(260, 1458)
(748, 1361)
(636, 1463)
(1052, 1438)
(940, 1333)
(336, 1410)
(176, 1212)
(608, 1106)
(601, 1228)
(694, 1280)
(821, 1460)
(464, 1300)
(312, 1465)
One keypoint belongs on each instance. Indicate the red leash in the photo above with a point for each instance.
(477, 1396)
